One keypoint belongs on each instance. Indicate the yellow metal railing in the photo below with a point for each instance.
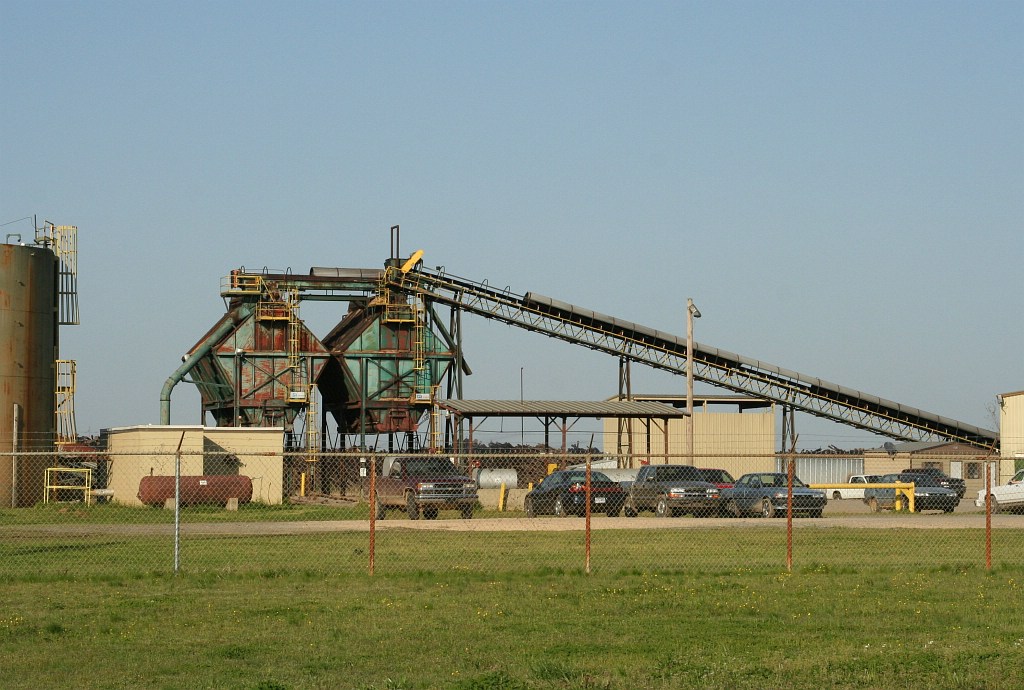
(312, 431)
(54, 475)
(905, 489)
(65, 246)
(436, 423)
(238, 283)
(64, 403)
(394, 311)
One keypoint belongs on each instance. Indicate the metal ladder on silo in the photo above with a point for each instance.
(64, 405)
(297, 389)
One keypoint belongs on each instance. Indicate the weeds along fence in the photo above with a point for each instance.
(92, 513)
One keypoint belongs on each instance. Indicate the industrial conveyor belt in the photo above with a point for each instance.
(665, 351)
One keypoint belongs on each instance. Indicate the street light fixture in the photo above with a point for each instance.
(692, 312)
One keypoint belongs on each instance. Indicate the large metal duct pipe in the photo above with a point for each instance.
(230, 323)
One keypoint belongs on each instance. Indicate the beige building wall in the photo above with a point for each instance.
(1011, 433)
(736, 442)
(136, 452)
(260, 452)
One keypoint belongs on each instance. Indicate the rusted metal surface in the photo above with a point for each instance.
(213, 489)
(28, 350)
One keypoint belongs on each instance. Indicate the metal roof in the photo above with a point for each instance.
(559, 408)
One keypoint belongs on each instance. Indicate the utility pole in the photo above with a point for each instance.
(692, 312)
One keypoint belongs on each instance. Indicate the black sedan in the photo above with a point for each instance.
(565, 493)
(766, 494)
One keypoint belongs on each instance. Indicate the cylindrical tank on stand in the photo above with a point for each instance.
(487, 478)
(28, 352)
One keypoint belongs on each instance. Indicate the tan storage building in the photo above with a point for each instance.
(730, 432)
(139, 451)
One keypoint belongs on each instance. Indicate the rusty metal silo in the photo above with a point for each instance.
(28, 350)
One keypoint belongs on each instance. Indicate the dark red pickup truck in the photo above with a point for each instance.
(423, 484)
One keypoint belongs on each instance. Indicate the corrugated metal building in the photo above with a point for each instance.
(955, 459)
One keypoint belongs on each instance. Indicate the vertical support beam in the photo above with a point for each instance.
(988, 516)
(565, 434)
(691, 313)
(664, 427)
(14, 457)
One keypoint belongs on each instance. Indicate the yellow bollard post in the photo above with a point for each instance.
(302, 484)
(501, 498)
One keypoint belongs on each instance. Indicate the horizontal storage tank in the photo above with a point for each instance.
(28, 380)
(494, 478)
(214, 489)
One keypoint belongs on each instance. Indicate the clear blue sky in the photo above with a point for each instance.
(838, 185)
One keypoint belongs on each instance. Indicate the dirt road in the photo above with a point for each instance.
(839, 514)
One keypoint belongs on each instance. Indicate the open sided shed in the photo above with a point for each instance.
(558, 413)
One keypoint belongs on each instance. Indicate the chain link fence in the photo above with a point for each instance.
(164, 510)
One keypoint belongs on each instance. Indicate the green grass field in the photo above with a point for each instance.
(660, 609)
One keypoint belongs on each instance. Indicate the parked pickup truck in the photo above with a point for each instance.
(855, 493)
(957, 485)
(672, 490)
(423, 484)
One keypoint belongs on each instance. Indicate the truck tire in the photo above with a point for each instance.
(767, 508)
(629, 510)
(467, 512)
(380, 509)
(873, 504)
(411, 508)
(661, 508)
(836, 496)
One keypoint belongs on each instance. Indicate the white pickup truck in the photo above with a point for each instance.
(855, 493)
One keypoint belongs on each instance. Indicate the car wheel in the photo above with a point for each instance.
(902, 503)
(662, 509)
(614, 509)
(734, 508)
(560, 508)
(873, 504)
(381, 511)
(629, 510)
(411, 508)
(836, 496)
(528, 507)
(467, 512)
(994, 506)
(430, 513)
(767, 508)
